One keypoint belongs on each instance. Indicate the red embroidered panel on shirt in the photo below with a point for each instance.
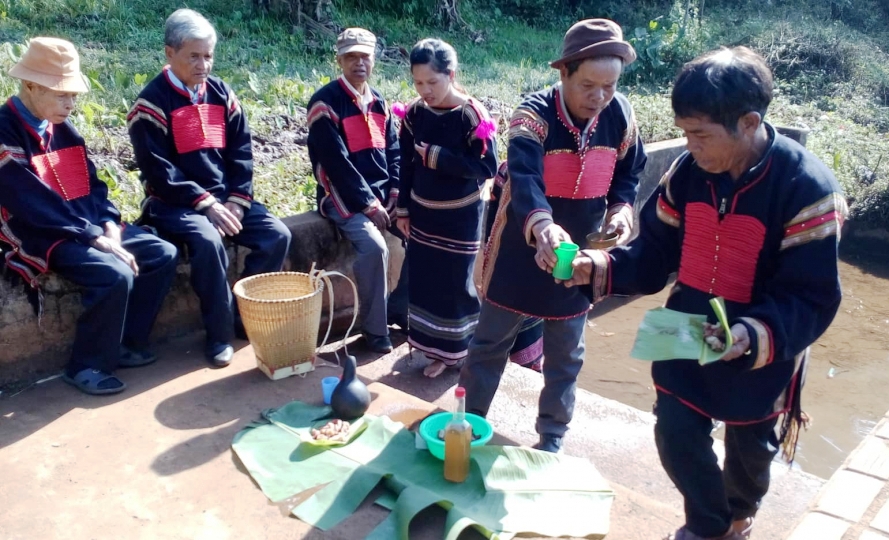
(196, 127)
(363, 133)
(720, 257)
(568, 176)
(65, 171)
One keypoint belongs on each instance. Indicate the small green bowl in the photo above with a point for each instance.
(431, 425)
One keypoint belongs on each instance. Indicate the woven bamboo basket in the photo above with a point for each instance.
(281, 313)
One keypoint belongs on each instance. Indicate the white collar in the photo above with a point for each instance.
(194, 94)
(365, 99)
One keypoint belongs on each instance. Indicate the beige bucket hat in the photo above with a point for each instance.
(53, 63)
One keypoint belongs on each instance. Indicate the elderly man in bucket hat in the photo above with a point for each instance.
(355, 156)
(573, 164)
(55, 213)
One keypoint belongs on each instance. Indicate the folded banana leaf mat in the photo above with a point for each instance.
(510, 490)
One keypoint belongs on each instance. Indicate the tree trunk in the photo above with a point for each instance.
(447, 11)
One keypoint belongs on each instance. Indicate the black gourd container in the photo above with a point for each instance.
(350, 398)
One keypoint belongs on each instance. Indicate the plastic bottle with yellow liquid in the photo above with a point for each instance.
(458, 440)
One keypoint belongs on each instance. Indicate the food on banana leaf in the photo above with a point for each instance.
(714, 335)
(335, 430)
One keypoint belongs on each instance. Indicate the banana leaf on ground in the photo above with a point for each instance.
(510, 490)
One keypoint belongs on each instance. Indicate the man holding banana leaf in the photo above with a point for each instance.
(752, 217)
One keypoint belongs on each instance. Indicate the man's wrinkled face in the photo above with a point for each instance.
(357, 67)
(193, 62)
(590, 89)
(48, 104)
(715, 148)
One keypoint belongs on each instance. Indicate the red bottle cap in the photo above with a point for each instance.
(460, 392)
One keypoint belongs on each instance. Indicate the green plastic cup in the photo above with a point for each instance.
(565, 254)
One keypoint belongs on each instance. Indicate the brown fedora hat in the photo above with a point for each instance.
(53, 63)
(594, 37)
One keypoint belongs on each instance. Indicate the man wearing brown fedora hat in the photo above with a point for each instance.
(194, 150)
(56, 216)
(355, 156)
(573, 164)
(751, 216)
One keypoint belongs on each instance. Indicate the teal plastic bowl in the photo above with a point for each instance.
(430, 427)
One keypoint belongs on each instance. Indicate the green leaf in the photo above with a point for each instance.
(94, 81)
(509, 490)
(140, 78)
(253, 83)
(120, 79)
(88, 112)
(108, 175)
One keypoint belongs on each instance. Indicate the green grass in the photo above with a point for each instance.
(274, 71)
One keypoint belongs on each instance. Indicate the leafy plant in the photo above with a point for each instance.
(829, 74)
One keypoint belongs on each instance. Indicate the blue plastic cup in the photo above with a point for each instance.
(327, 386)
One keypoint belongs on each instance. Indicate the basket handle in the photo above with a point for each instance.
(315, 276)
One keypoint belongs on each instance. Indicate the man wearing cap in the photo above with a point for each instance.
(55, 214)
(748, 215)
(573, 164)
(193, 147)
(355, 156)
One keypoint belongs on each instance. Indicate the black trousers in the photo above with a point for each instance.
(563, 350)
(118, 307)
(267, 238)
(713, 497)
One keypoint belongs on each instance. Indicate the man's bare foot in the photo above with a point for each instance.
(434, 369)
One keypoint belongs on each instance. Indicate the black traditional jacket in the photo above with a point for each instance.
(558, 172)
(355, 156)
(767, 244)
(458, 160)
(192, 154)
(49, 192)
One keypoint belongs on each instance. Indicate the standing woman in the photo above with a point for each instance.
(447, 153)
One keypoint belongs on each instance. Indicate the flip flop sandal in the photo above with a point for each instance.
(130, 358)
(95, 382)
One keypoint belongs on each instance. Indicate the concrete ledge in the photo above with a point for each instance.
(855, 501)
(32, 348)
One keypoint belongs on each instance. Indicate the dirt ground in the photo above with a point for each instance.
(155, 461)
(845, 391)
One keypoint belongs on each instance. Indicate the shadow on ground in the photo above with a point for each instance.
(52, 399)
